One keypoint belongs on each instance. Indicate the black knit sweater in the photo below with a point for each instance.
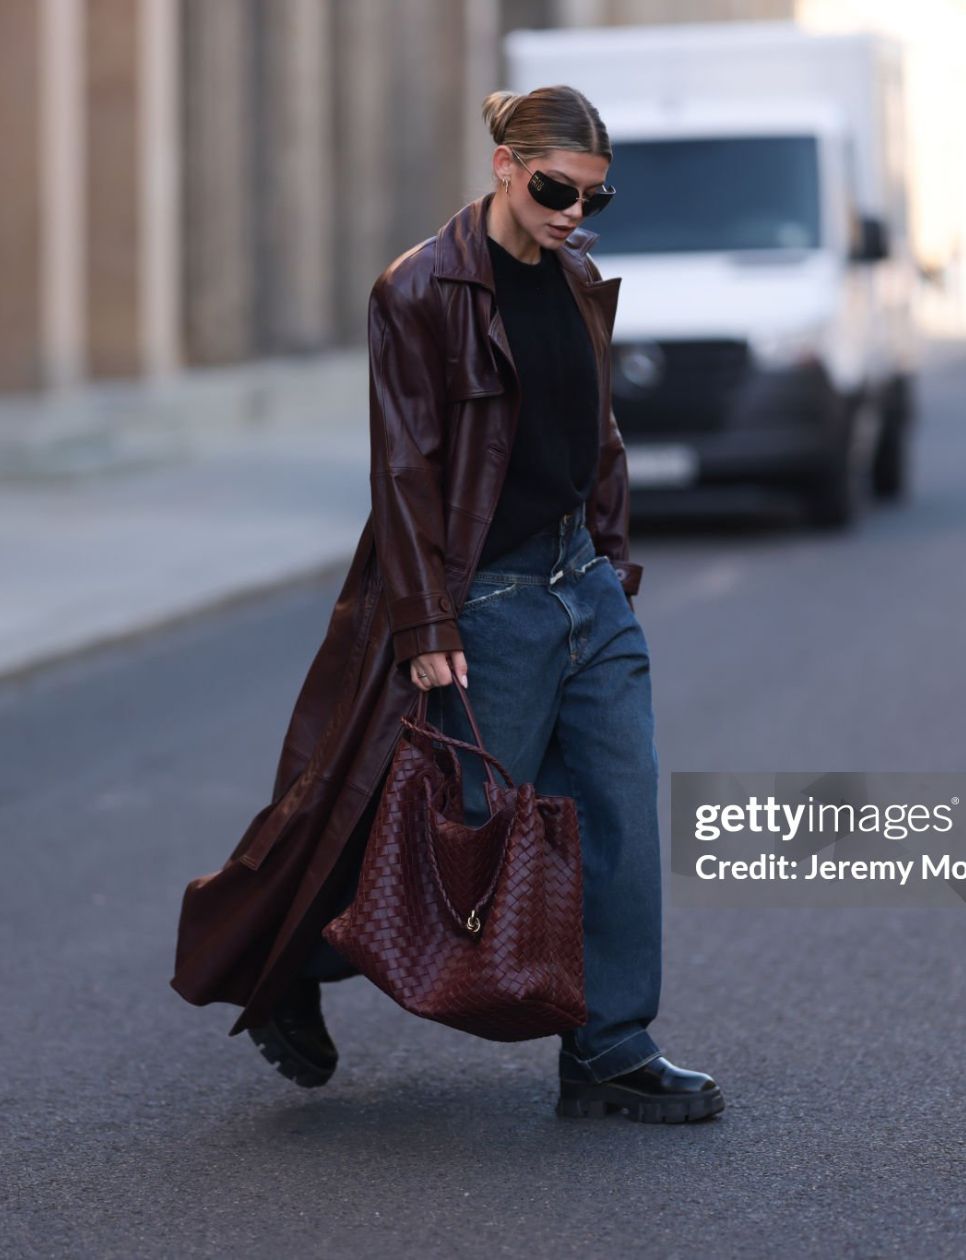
(554, 459)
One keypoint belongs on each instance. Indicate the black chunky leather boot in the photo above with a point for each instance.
(656, 1093)
(296, 1039)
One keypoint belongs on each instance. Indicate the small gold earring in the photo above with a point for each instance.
(506, 185)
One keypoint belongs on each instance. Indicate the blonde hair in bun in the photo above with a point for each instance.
(497, 109)
(554, 117)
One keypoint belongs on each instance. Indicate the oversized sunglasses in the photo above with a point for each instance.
(558, 196)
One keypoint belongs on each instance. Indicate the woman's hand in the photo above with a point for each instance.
(436, 666)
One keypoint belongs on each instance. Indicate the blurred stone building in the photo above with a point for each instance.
(191, 182)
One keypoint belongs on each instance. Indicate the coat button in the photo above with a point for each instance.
(444, 603)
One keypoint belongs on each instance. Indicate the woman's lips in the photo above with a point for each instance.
(564, 231)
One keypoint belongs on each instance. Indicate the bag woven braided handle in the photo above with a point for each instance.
(422, 727)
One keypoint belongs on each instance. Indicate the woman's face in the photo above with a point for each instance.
(585, 171)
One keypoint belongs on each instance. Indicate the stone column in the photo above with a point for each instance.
(298, 184)
(160, 185)
(109, 219)
(63, 207)
(424, 115)
(21, 355)
(218, 173)
(482, 74)
(365, 135)
(114, 209)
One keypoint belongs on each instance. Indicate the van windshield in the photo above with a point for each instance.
(719, 193)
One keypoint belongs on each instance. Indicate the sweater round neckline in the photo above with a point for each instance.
(542, 262)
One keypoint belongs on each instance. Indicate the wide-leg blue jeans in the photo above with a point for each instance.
(560, 685)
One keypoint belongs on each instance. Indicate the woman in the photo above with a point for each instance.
(495, 558)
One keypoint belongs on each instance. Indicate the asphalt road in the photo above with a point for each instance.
(132, 1126)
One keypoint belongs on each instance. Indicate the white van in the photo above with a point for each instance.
(764, 333)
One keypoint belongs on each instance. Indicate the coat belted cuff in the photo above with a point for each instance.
(431, 636)
(416, 610)
(629, 574)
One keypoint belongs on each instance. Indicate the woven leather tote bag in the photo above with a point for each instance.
(478, 928)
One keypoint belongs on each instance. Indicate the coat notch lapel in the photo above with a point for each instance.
(604, 293)
(596, 299)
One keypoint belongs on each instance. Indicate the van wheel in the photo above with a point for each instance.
(832, 502)
(835, 497)
(890, 470)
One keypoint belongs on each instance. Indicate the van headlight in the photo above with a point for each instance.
(641, 366)
(773, 351)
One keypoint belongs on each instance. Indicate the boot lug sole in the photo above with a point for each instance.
(597, 1101)
(287, 1060)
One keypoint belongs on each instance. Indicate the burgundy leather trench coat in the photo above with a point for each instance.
(443, 404)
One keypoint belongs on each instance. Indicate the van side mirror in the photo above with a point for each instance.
(871, 240)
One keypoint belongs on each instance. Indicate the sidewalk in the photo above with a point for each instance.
(126, 507)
